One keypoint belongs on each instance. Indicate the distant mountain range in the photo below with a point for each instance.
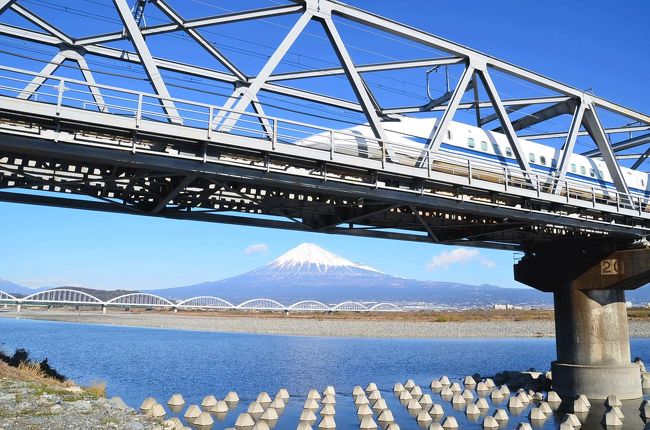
(309, 272)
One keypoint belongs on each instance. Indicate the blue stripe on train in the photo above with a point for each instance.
(511, 162)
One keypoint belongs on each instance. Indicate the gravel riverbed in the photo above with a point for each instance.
(317, 326)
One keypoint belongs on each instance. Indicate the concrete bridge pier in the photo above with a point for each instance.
(592, 337)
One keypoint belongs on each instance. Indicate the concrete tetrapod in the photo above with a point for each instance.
(173, 423)
(302, 425)
(566, 426)
(409, 384)
(489, 382)
(157, 411)
(536, 414)
(523, 397)
(416, 392)
(482, 404)
(255, 409)
(444, 380)
(329, 399)
(546, 408)
(209, 401)
(612, 401)
(313, 394)
(220, 408)
(379, 405)
(357, 391)
(375, 395)
(450, 423)
(328, 410)
(467, 394)
(584, 400)
(244, 420)
(386, 416)
(436, 410)
(553, 397)
(489, 423)
(469, 382)
(496, 396)
(327, 423)
(500, 415)
(446, 391)
(231, 397)
(611, 420)
(147, 404)
(176, 400)
(308, 415)
(458, 400)
(261, 425)
(270, 414)
(413, 405)
(393, 426)
(277, 403)
(645, 410)
(572, 420)
(435, 426)
(398, 388)
(515, 403)
(364, 411)
(472, 409)
(263, 398)
(425, 401)
(617, 411)
(482, 388)
(524, 426)
(504, 390)
(361, 400)
(311, 404)
(371, 387)
(283, 394)
(192, 412)
(329, 390)
(203, 420)
(367, 423)
(435, 385)
(405, 395)
(455, 388)
(579, 406)
(423, 417)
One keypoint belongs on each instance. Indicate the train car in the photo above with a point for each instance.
(408, 137)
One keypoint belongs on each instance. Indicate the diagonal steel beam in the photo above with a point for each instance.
(180, 186)
(632, 142)
(439, 131)
(510, 133)
(147, 60)
(597, 132)
(359, 87)
(5, 4)
(88, 76)
(424, 224)
(195, 23)
(258, 82)
(569, 144)
(641, 159)
(40, 22)
(194, 34)
(608, 131)
(39, 80)
(397, 65)
(512, 104)
(529, 120)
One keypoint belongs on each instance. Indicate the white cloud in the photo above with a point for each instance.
(256, 248)
(446, 259)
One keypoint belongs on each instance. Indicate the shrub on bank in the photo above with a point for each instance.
(20, 359)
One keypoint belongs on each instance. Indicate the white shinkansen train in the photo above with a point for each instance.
(409, 135)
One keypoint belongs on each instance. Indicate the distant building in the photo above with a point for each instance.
(628, 304)
(503, 307)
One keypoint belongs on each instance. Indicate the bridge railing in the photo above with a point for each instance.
(142, 106)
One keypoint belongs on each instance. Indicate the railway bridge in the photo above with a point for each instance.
(264, 141)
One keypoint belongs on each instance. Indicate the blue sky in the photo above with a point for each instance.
(601, 45)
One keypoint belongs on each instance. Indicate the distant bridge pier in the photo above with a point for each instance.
(592, 337)
(18, 306)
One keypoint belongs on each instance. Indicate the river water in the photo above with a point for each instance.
(143, 362)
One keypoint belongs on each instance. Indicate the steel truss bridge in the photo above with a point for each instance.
(79, 143)
(69, 297)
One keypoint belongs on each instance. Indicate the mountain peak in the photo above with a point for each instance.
(313, 258)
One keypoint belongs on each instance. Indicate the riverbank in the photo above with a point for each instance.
(389, 326)
(30, 401)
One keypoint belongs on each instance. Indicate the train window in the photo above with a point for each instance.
(600, 174)
(508, 152)
(449, 134)
(483, 145)
(643, 182)
(496, 148)
(583, 171)
(573, 168)
(542, 160)
(592, 173)
(553, 162)
(470, 142)
(531, 157)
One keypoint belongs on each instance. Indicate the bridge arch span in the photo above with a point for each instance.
(207, 302)
(261, 304)
(140, 299)
(6, 296)
(62, 295)
(309, 305)
(385, 307)
(350, 306)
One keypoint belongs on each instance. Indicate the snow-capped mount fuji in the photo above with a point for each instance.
(310, 259)
(308, 272)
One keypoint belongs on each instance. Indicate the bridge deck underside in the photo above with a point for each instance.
(81, 165)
